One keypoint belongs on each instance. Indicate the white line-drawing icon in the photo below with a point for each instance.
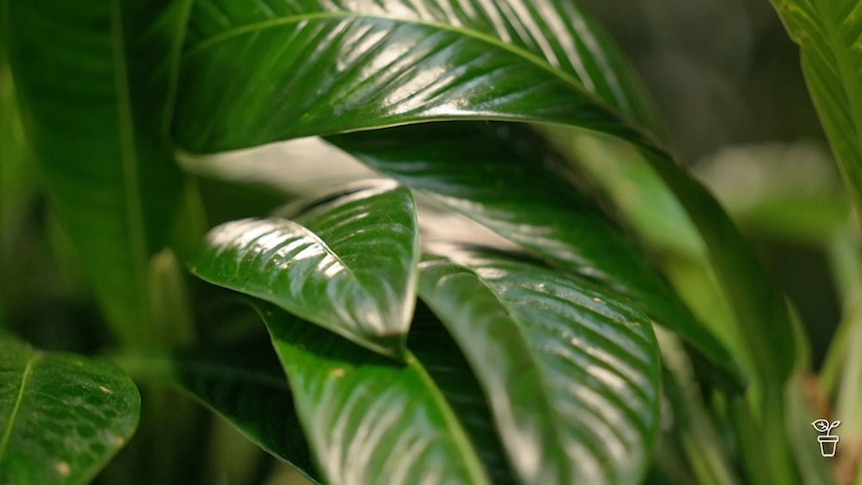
(828, 442)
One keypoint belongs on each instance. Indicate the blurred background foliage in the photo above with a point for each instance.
(724, 75)
(727, 81)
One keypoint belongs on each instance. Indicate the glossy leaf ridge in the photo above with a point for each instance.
(346, 262)
(571, 372)
(366, 416)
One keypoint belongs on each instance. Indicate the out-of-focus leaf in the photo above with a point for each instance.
(506, 178)
(346, 262)
(649, 206)
(17, 184)
(571, 371)
(326, 67)
(828, 32)
(783, 191)
(245, 385)
(368, 418)
(62, 417)
(94, 85)
(813, 469)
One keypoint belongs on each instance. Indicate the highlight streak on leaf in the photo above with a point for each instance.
(367, 418)
(328, 64)
(347, 264)
(326, 67)
(572, 374)
(505, 177)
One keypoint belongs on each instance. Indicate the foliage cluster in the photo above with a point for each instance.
(479, 261)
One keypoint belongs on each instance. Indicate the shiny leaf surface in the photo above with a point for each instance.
(329, 66)
(367, 417)
(346, 262)
(506, 178)
(326, 67)
(94, 95)
(446, 364)
(62, 417)
(570, 371)
(828, 33)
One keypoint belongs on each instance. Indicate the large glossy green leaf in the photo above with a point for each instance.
(62, 417)
(368, 418)
(828, 33)
(346, 262)
(94, 89)
(570, 371)
(444, 361)
(288, 69)
(506, 178)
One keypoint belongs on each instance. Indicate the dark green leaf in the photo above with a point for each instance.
(62, 417)
(505, 178)
(368, 418)
(348, 263)
(94, 89)
(445, 362)
(325, 67)
(244, 384)
(571, 372)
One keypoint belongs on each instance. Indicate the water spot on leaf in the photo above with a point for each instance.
(64, 469)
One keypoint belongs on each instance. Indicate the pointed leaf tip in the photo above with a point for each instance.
(347, 262)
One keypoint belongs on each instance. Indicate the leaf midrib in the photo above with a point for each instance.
(533, 358)
(7, 433)
(456, 428)
(488, 39)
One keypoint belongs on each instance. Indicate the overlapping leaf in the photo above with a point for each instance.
(504, 177)
(94, 89)
(368, 418)
(245, 385)
(288, 69)
(62, 417)
(829, 34)
(311, 67)
(346, 263)
(571, 374)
